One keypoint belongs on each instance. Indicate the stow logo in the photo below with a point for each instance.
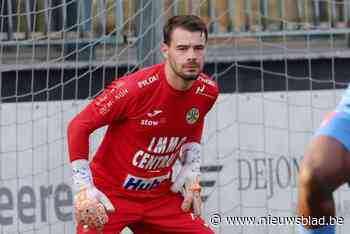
(145, 184)
(147, 122)
(147, 81)
(192, 115)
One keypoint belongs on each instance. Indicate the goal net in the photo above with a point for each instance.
(281, 66)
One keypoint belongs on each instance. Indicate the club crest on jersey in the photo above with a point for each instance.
(192, 115)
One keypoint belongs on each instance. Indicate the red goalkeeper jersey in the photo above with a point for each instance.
(148, 122)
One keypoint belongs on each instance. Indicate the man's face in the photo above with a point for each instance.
(185, 54)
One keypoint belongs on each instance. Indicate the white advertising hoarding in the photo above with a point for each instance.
(253, 144)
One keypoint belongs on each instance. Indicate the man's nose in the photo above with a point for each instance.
(191, 54)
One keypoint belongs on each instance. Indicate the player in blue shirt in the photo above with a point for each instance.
(325, 167)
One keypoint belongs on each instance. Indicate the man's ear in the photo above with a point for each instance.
(164, 49)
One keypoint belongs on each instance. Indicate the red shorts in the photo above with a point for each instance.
(155, 216)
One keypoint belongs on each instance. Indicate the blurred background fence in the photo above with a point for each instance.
(66, 30)
(39, 19)
(279, 65)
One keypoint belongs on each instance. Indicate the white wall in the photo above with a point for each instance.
(257, 138)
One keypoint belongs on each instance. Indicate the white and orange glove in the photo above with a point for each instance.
(90, 204)
(187, 181)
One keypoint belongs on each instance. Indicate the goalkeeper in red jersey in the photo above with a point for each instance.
(154, 116)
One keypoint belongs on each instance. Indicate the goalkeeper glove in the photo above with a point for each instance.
(90, 204)
(187, 180)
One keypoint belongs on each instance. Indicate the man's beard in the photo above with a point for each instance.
(184, 76)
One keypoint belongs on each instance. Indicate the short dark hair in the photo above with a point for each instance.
(191, 23)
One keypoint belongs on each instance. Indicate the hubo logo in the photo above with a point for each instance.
(147, 122)
(140, 183)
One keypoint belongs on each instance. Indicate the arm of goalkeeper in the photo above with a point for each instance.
(187, 180)
(90, 204)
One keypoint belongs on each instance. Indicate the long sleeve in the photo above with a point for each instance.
(112, 105)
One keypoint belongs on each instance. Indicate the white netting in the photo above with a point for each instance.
(279, 63)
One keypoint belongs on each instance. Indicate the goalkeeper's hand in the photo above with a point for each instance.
(90, 204)
(187, 181)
